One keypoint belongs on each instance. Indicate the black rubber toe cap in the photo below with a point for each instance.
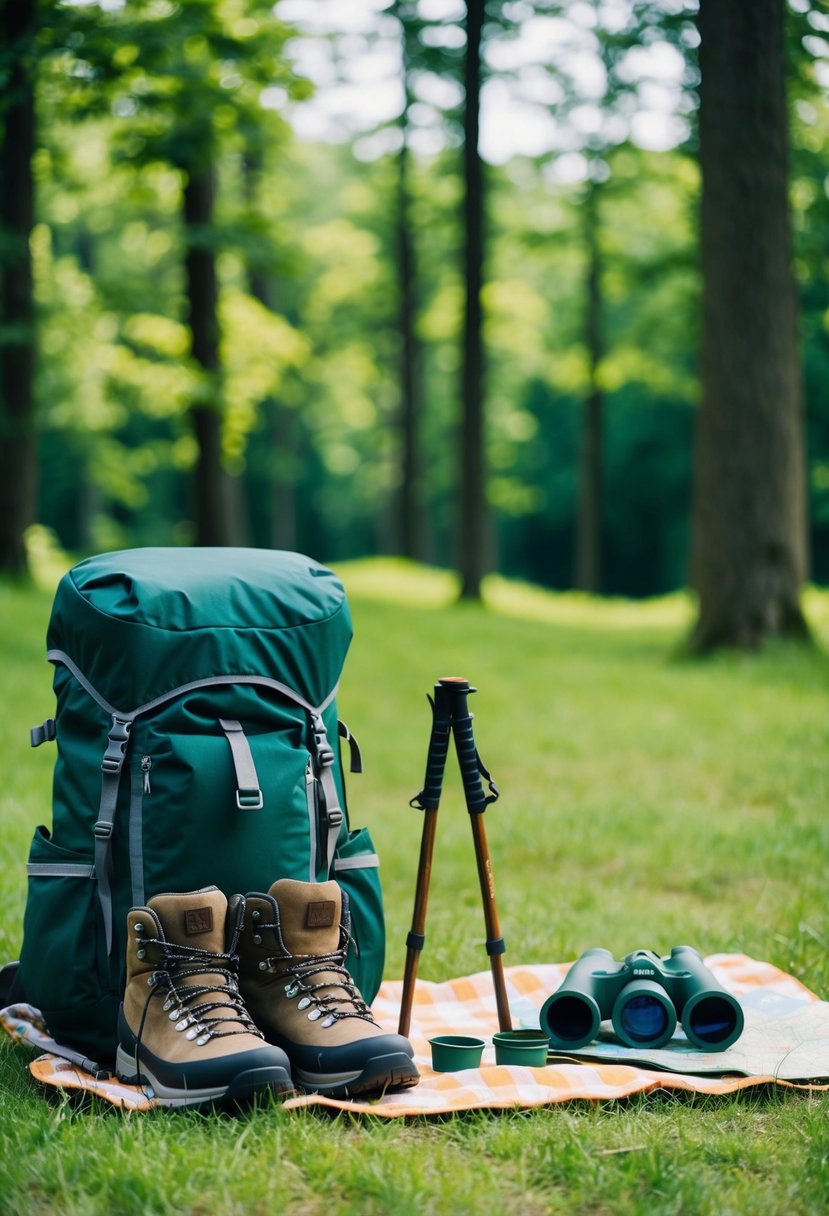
(348, 1057)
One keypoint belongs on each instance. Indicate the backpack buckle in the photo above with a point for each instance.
(103, 830)
(323, 750)
(325, 754)
(117, 740)
(249, 800)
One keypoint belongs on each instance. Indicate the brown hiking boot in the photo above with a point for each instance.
(294, 981)
(183, 1028)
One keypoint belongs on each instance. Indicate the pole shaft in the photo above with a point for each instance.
(493, 927)
(418, 931)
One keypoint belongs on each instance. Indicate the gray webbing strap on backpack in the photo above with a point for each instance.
(96, 1070)
(111, 766)
(28, 1030)
(139, 778)
(366, 861)
(324, 756)
(45, 733)
(248, 792)
(59, 869)
(355, 755)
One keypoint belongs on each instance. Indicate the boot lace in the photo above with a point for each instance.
(198, 1019)
(333, 998)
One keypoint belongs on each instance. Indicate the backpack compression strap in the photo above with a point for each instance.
(248, 792)
(111, 766)
(324, 757)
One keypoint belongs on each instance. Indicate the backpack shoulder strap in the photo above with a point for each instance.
(324, 761)
(111, 768)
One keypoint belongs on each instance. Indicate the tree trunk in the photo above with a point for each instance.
(276, 441)
(749, 550)
(411, 522)
(212, 514)
(474, 523)
(18, 451)
(589, 520)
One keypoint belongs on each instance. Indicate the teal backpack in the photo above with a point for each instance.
(198, 743)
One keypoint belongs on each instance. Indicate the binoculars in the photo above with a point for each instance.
(644, 996)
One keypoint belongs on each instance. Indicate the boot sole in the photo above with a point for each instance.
(241, 1088)
(383, 1074)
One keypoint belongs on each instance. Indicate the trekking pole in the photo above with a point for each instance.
(428, 801)
(451, 715)
(472, 769)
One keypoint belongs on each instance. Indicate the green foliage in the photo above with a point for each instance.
(810, 204)
(538, 368)
(260, 350)
(644, 801)
(132, 97)
(181, 77)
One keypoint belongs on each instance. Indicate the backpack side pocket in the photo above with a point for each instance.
(63, 955)
(356, 869)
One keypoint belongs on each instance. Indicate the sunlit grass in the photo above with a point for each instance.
(398, 581)
(646, 800)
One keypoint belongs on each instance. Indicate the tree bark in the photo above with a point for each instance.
(278, 435)
(474, 522)
(589, 519)
(411, 519)
(18, 449)
(212, 514)
(749, 546)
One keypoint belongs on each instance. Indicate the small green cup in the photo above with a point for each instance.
(527, 1047)
(452, 1052)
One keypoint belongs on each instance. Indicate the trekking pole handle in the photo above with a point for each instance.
(429, 797)
(470, 763)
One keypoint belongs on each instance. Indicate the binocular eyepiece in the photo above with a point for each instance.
(644, 996)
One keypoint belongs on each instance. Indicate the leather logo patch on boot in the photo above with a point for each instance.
(320, 915)
(198, 920)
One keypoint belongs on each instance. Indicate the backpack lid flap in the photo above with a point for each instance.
(141, 622)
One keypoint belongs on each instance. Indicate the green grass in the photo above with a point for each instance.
(645, 801)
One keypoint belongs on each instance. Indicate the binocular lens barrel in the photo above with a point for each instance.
(571, 1020)
(714, 1021)
(643, 1019)
(643, 1015)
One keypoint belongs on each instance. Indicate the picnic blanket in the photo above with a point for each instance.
(785, 1042)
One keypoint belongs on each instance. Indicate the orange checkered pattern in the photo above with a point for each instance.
(467, 1006)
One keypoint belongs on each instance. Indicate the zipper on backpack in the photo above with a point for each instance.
(312, 801)
(146, 765)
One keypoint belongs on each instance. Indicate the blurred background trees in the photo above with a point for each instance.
(18, 460)
(749, 507)
(284, 294)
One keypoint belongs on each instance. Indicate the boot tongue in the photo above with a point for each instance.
(309, 913)
(193, 918)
